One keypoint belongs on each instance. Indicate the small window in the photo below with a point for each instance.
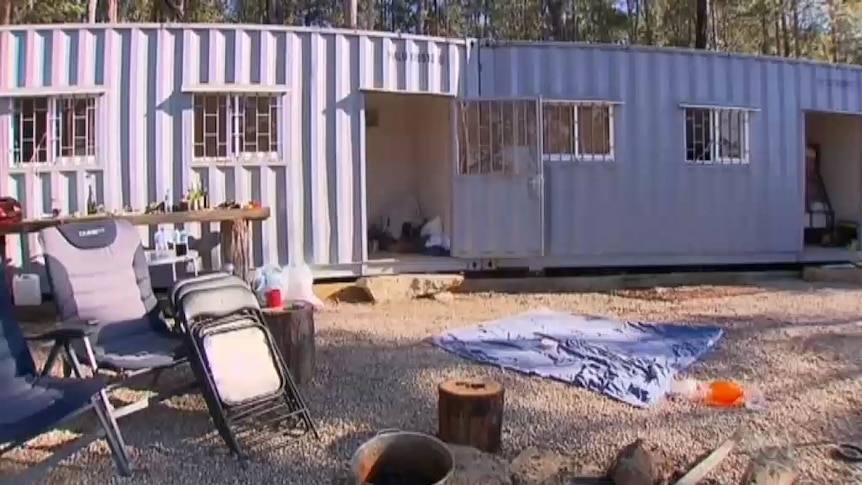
(498, 137)
(59, 130)
(577, 132)
(231, 127)
(716, 136)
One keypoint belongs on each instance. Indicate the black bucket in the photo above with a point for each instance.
(402, 458)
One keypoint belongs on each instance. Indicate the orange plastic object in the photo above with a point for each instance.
(724, 393)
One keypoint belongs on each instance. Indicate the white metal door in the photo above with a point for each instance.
(498, 188)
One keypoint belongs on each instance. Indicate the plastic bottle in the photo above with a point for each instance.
(160, 240)
(719, 393)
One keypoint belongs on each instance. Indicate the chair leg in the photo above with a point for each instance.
(112, 434)
(73, 363)
(52, 359)
(156, 375)
(67, 368)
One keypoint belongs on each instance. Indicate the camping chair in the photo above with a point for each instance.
(31, 404)
(99, 274)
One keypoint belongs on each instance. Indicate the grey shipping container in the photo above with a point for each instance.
(526, 154)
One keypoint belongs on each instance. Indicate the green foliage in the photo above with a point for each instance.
(820, 29)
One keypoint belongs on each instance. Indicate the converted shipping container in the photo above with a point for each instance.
(530, 154)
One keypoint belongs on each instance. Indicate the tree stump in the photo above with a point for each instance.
(293, 331)
(470, 412)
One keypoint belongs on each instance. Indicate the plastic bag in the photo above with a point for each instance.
(297, 285)
(720, 393)
(266, 278)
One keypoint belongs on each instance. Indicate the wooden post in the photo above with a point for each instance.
(235, 236)
(470, 412)
(293, 332)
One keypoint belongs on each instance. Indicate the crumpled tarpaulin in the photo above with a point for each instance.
(633, 362)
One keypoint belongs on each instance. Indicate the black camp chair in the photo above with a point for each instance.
(32, 404)
(99, 274)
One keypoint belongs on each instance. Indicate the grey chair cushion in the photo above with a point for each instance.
(98, 272)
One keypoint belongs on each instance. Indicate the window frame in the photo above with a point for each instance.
(715, 131)
(577, 156)
(54, 132)
(235, 137)
(488, 152)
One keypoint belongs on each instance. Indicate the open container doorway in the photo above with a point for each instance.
(833, 186)
(408, 176)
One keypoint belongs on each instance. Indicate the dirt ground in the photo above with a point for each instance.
(799, 343)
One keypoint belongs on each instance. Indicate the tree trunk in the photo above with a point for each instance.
(112, 11)
(764, 31)
(351, 12)
(6, 12)
(701, 24)
(91, 10)
(648, 24)
(795, 6)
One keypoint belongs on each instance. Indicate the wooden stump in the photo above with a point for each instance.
(293, 332)
(470, 412)
(234, 239)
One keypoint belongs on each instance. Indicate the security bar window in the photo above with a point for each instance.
(497, 137)
(53, 130)
(236, 127)
(577, 131)
(716, 136)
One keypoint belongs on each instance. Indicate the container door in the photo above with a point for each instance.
(498, 187)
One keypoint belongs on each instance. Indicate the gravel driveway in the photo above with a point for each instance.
(801, 344)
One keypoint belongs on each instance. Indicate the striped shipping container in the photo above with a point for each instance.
(145, 77)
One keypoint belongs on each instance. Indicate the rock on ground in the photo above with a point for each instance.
(535, 467)
(474, 467)
(383, 289)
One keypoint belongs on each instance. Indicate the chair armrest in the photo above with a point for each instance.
(66, 330)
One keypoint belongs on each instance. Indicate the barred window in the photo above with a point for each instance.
(577, 131)
(230, 127)
(716, 136)
(497, 137)
(58, 130)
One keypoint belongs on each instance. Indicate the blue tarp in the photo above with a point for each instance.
(633, 362)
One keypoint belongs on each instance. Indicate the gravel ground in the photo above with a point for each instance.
(799, 343)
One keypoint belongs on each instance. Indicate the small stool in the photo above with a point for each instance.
(470, 412)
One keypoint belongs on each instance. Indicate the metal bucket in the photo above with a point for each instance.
(396, 457)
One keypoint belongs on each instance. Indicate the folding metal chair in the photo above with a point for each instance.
(224, 325)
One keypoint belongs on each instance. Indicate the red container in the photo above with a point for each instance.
(273, 298)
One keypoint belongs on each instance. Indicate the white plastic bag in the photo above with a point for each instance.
(265, 279)
(297, 284)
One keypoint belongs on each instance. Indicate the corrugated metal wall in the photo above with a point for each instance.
(649, 201)
(145, 120)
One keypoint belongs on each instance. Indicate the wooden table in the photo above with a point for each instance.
(293, 332)
(233, 231)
